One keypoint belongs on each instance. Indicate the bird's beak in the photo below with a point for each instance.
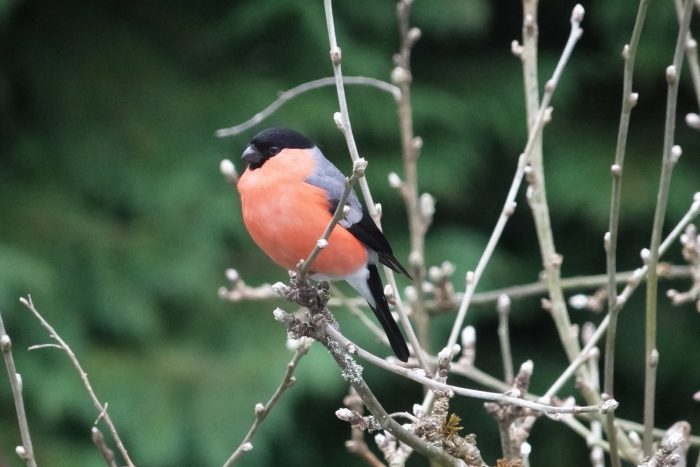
(252, 156)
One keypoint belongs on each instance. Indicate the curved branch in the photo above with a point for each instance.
(290, 94)
(101, 407)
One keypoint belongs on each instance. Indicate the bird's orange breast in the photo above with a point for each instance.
(286, 216)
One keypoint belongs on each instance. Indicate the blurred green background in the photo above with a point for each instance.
(114, 216)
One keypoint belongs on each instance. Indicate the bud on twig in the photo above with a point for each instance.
(693, 120)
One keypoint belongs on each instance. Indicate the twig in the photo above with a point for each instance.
(320, 328)
(503, 309)
(584, 432)
(690, 240)
(629, 100)
(239, 290)
(418, 221)
(261, 411)
(473, 278)
(597, 455)
(26, 450)
(518, 292)
(98, 440)
(530, 148)
(391, 425)
(418, 377)
(101, 408)
(358, 171)
(691, 53)
(356, 444)
(671, 154)
(290, 94)
(537, 196)
(514, 423)
(342, 120)
(486, 380)
(659, 433)
(673, 447)
(319, 325)
(481, 377)
(633, 282)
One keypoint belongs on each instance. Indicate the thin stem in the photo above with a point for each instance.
(473, 278)
(518, 292)
(670, 156)
(503, 309)
(691, 52)
(629, 100)
(583, 356)
(596, 455)
(343, 119)
(356, 444)
(537, 196)
(410, 149)
(639, 428)
(343, 122)
(261, 411)
(481, 377)
(27, 450)
(506, 443)
(633, 282)
(358, 171)
(290, 94)
(530, 148)
(473, 393)
(101, 408)
(98, 440)
(388, 423)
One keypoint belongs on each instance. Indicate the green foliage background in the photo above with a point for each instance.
(114, 216)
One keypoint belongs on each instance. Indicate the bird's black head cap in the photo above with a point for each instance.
(269, 142)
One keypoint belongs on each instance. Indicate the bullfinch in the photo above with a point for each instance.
(289, 193)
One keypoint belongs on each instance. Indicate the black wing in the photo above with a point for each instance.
(366, 231)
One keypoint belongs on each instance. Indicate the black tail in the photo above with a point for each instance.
(381, 311)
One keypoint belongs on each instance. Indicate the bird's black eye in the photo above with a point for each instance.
(273, 150)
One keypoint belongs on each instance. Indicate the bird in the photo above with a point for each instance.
(289, 192)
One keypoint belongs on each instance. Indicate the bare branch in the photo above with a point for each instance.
(629, 100)
(533, 143)
(261, 411)
(101, 408)
(358, 171)
(691, 53)
(671, 153)
(296, 91)
(26, 450)
(536, 194)
(503, 309)
(239, 290)
(342, 120)
(691, 253)
(418, 377)
(356, 444)
(673, 449)
(98, 440)
(418, 219)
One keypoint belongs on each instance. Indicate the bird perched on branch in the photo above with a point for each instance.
(289, 193)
